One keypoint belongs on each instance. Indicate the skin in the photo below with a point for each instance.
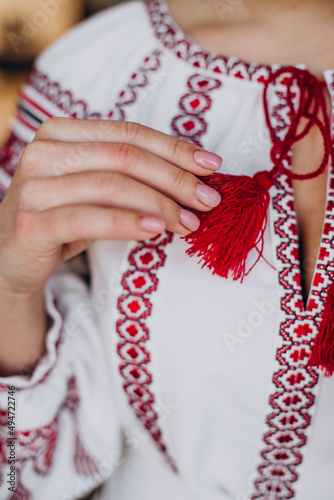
(54, 209)
(264, 31)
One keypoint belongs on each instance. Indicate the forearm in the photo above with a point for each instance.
(23, 327)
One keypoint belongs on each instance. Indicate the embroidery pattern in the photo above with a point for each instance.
(295, 383)
(332, 98)
(294, 395)
(38, 445)
(10, 153)
(184, 48)
(138, 283)
(140, 280)
(190, 124)
(74, 108)
(63, 99)
(31, 115)
(142, 284)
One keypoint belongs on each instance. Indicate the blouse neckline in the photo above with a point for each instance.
(185, 48)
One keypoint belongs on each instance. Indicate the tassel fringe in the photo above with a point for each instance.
(322, 354)
(227, 234)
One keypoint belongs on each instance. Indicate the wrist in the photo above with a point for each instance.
(10, 292)
(10, 299)
(24, 323)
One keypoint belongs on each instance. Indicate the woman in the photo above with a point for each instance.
(133, 366)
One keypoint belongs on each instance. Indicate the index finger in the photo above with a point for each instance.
(182, 153)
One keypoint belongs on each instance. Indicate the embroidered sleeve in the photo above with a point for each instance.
(60, 425)
(52, 424)
(67, 438)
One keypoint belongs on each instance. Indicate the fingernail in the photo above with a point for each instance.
(152, 224)
(189, 220)
(207, 195)
(207, 160)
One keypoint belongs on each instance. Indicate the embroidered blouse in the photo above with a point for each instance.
(159, 379)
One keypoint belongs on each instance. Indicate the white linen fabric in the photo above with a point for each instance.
(159, 379)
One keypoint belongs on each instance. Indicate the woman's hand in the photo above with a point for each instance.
(86, 180)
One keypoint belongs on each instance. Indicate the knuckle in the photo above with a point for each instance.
(25, 226)
(165, 205)
(26, 193)
(181, 179)
(179, 148)
(112, 184)
(132, 131)
(29, 152)
(75, 221)
(48, 128)
(117, 223)
(127, 155)
(31, 155)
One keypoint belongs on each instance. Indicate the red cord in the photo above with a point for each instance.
(312, 102)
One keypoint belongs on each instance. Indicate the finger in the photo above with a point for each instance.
(106, 189)
(56, 159)
(69, 224)
(91, 187)
(180, 152)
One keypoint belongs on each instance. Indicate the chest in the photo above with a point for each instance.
(309, 203)
(218, 349)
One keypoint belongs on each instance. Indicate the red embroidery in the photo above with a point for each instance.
(84, 464)
(21, 493)
(295, 383)
(63, 99)
(74, 108)
(3, 436)
(38, 446)
(139, 282)
(10, 153)
(190, 124)
(174, 39)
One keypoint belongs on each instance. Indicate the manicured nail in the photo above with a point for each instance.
(210, 197)
(152, 224)
(207, 160)
(189, 220)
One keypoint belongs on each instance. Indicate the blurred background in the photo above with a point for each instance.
(26, 28)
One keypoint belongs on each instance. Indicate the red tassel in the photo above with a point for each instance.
(230, 231)
(322, 354)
